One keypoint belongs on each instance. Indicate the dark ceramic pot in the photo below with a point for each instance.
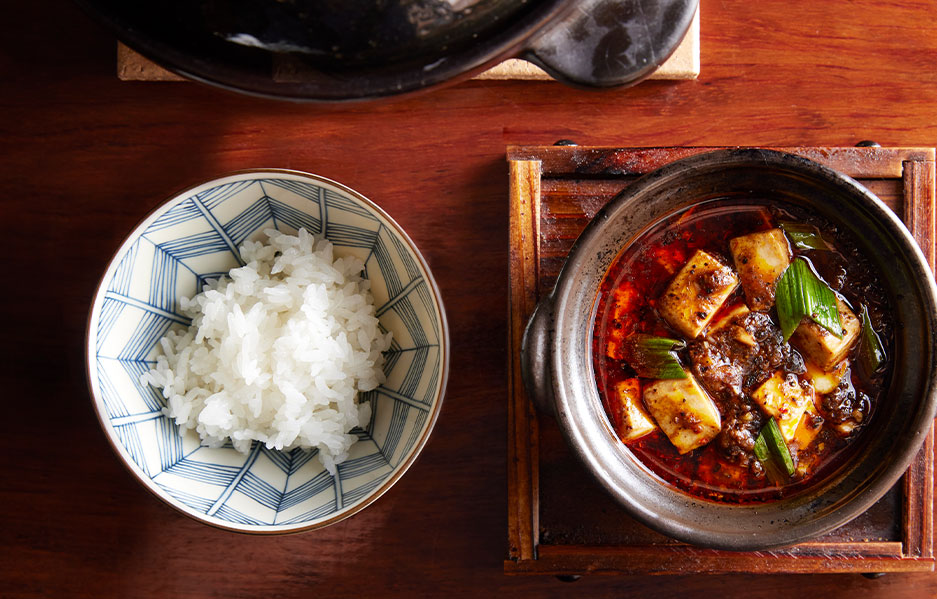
(331, 50)
(559, 376)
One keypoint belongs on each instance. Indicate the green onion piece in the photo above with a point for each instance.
(761, 449)
(653, 357)
(773, 469)
(801, 293)
(871, 350)
(804, 236)
(771, 433)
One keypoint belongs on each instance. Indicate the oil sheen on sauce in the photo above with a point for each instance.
(627, 303)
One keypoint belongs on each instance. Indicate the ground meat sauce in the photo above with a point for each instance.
(745, 351)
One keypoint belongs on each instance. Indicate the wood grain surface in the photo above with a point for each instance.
(83, 157)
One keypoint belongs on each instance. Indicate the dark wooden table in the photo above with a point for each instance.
(83, 157)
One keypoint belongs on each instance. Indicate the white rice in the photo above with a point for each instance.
(277, 351)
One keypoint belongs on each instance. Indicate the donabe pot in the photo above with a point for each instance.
(559, 376)
(332, 50)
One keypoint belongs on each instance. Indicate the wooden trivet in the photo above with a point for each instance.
(554, 191)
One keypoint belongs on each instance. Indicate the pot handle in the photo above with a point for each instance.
(535, 356)
(611, 43)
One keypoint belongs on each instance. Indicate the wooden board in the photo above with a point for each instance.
(554, 191)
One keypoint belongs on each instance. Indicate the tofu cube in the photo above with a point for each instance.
(723, 473)
(727, 318)
(684, 412)
(825, 381)
(630, 418)
(808, 428)
(806, 464)
(696, 293)
(729, 321)
(622, 303)
(670, 257)
(845, 427)
(822, 347)
(760, 258)
(786, 400)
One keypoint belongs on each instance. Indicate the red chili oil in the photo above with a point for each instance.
(627, 303)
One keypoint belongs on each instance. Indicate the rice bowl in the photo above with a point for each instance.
(181, 249)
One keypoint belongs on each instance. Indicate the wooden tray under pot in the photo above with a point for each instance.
(559, 520)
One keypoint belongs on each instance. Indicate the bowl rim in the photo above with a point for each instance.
(180, 196)
(600, 461)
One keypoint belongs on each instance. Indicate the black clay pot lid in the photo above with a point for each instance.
(357, 49)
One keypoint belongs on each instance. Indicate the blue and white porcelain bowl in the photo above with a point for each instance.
(195, 237)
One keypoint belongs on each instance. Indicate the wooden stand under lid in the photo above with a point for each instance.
(559, 520)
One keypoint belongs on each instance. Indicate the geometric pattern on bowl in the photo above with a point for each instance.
(194, 238)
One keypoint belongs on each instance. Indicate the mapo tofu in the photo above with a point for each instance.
(747, 327)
